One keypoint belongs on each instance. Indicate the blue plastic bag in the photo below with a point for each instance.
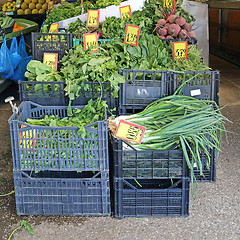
(25, 59)
(15, 56)
(6, 68)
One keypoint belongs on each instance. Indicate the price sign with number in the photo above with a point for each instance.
(125, 12)
(93, 18)
(169, 4)
(50, 5)
(53, 29)
(132, 35)
(90, 40)
(130, 131)
(179, 50)
(51, 59)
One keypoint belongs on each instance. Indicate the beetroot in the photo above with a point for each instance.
(172, 18)
(167, 25)
(169, 37)
(180, 21)
(161, 22)
(183, 34)
(162, 31)
(192, 35)
(188, 27)
(174, 30)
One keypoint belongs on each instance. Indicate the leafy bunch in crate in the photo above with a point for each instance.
(81, 66)
(92, 112)
(98, 4)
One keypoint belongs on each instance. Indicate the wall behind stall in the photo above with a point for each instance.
(200, 13)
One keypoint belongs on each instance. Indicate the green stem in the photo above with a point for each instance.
(14, 231)
(7, 194)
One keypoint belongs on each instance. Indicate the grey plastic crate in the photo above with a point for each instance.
(44, 93)
(141, 88)
(204, 85)
(39, 148)
(130, 163)
(151, 198)
(62, 193)
(50, 43)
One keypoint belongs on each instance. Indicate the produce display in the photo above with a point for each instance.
(9, 6)
(32, 7)
(5, 21)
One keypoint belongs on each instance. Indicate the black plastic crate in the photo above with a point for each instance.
(128, 163)
(92, 90)
(62, 193)
(7, 30)
(50, 43)
(141, 88)
(204, 85)
(209, 172)
(38, 148)
(151, 197)
(43, 93)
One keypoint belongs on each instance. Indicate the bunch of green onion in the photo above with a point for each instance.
(181, 122)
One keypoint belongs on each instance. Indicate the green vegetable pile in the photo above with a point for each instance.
(98, 4)
(5, 21)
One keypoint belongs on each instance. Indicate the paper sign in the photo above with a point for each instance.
(93, 18)
(90, 40)
(169, 4)
(179, 50)
(27, 138)
(130, 131)
(132, 35)
(51, 60)
(195, 92)
(53, 29)
(125, 12)
(50, 5)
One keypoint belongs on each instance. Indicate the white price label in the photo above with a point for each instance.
(195, 92)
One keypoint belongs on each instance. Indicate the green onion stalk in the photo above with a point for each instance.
(181, 122)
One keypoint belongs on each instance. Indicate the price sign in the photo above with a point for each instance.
(169, 4)
(132, 35)
(90, 40)
(93, 18)
(125, 12)
(27, 138)
(53, 29)
(130, 131)
(50, 5)
(51, 59)
(179, 50)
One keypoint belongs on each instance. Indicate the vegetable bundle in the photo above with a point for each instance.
(180, 122)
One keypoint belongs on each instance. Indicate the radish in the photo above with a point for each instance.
(172, 18)
(183, 34)
(188, 27)
(192, 35)
(174, 30)
(169, 37)
(180, 21)
(162, 31)
(161, 22)
(167, 25)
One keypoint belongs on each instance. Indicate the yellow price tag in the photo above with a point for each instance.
(27, 138)
(179, 50)
(93, 18)
(132, 35)
(169, 4)
(53, 29)
(125, 12)
(51, 60)
(50, 5)
(90, 40)
(130, 131)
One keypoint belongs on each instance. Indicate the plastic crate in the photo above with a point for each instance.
(204, 85)
(208, 172)
(7, 30)
(130, 163)
(77, 41)
(50, 43)
(92, 90)
(62, 193)
(151, 198)
(44, 93)
(141, 88)
(39, 148)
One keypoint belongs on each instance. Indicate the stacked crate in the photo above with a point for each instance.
(56, 172)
